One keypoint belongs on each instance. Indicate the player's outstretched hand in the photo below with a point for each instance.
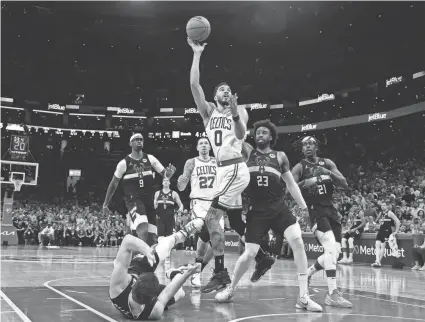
(105, 210)
(234, 104)
(197, 47)
(169, 172)
(193, 268)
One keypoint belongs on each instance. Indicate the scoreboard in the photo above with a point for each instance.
(19, 146)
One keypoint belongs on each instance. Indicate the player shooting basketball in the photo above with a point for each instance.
(226, 127)
(136, 173)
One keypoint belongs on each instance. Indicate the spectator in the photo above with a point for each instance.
(48, 233)
(29, 236)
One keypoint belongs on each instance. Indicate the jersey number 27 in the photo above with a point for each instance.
(206, 182)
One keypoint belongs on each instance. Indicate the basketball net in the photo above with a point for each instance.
(18, 184)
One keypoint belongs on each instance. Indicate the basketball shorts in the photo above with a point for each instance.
(325, 218)
(383, 235)
(165, 226)
(140, 211)
(263, 217)
(200, 208)
(354, 234)
(232, 179)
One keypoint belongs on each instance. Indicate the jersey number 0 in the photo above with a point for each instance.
(218, 138)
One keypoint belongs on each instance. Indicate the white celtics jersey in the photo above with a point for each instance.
(203, 179)
(220, 132)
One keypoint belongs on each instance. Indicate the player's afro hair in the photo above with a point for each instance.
(218, 86)
(269, 125)
(145, 288)
(298, 144)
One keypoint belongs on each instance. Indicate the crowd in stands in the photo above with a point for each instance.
(80, 222)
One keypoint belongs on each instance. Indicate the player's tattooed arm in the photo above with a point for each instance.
(287, 176)
(396, 221)
(184, 179)
(335, 175)
(203, 106)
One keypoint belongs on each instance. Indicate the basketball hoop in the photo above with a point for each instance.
(18, 184)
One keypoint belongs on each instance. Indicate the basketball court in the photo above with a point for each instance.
(71, 284)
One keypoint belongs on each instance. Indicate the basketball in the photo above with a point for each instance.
(198, 28)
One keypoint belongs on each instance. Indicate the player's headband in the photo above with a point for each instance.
(308, 138)
(135, 136)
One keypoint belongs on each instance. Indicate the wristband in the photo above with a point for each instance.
(236, 118)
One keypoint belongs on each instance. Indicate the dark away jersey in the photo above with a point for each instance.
(266, 183)
(324, 192)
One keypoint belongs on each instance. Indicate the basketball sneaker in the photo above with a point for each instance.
(195, 280)
(225, 295)
(261, 268)
(336, 299)
(343, 261)
(415, 268)
(350, 260)
(305, 302)
(376, 264)
(217, 282)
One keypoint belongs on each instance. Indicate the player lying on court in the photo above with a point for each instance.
(134, 288)
(136, 171)
(269, 172)
(317, 178)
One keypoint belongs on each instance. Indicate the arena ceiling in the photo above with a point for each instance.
(294, 49)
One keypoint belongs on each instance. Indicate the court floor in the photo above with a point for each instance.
(71, 284)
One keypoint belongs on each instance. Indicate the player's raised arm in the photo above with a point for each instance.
(240, 117)
(158, 167)
(184, 179)
(171, 289)
(287, 176)
(203, 106)
(122, 262)
(119, 172)
(246, 150)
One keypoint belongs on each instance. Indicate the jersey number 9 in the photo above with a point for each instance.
(263, 181)
(206, 182)
(141, 183)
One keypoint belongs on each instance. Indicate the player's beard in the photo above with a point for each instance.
(263, 145)
(224, 103)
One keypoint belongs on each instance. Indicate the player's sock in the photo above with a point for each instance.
(350, 252)
(219, 263)
(377, 255)
(303, 283)
(201, 261)
(331, 280)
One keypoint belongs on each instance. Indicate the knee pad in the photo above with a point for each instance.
(198, 223)
(351, 242)
(152, 229)
(344, 243)
(236, 222)
(204, 234)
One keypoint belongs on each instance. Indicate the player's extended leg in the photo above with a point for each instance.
(220, 277)
(203, 247)
(293, 235)
(382, 251)
(332, 248)
(264, 262)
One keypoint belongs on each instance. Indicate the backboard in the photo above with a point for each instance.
(27, 171)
